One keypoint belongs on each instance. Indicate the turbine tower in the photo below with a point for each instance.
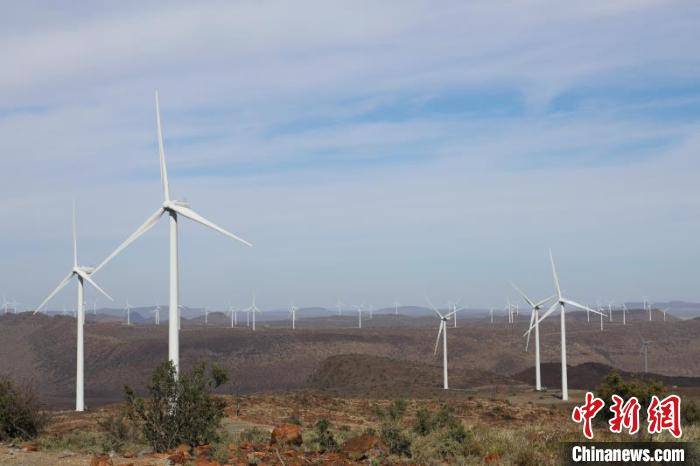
(396, 308)
(534, 316)
(82, 273)
(234, 316)
(454, 310)
(442, 330)
(293, 314)
(173, 209)
(128, 312)
(156, 314)
(562, 303)
(624, 314)
(253, 309)
(359, 316)
(339, 305)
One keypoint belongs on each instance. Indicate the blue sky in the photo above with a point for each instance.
(369, 150)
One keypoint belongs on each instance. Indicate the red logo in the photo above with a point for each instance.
(665, 415)
(587, 412)
(625, 415)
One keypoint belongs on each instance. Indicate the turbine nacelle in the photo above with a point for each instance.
(172, 205)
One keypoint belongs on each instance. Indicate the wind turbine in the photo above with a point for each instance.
(293, 314)
(396, 308)
(339, 305)
(665, 310)
(128, 312)
(234, 316)
(442, 330)
(173, 209)
(82, 273)
(455, 310)
(491, 312)
(156, 314)
(644, 349)
(94, 307)
(5, 303)
(206, 316)
(371, 311)
(610, 309)
(253, 309)
(624, 314)
(601, 318)
(536, 307)
(562, 303)
(359, 316)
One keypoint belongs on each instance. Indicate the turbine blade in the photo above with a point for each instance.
(75, 240)
(437, 341)
(147, 225)
(192, 215)
(430, 303)
(554, 274)
(544, 316)
(522, 293)
(532, 319)
(581, 306)
(87, 278)
(545, 301)
(161, 154)
(53, 293)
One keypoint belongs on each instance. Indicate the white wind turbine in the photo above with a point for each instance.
(128, 312)
(234, 316)
(5, 303)
(206, 315)
(601, 317)
(339, 306)
(156, 314)
(534, 318)
(610, 309)
(453, 307)
(359, 316)
(173, 209)
(624, 314)
(396, 308)
(82, 273)
(371, 311)
(665, 310)
(562, 303)
(442, 330)
(293, 314)
(253, 309)
(491, 313)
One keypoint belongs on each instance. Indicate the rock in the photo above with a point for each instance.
(202, 451)
(359, 448)
(177, 458)
(29, 447)
(184, 449)
(286, 434)
(206, 462)
(101, 460)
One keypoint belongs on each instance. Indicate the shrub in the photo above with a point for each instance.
(21, 415)
(118, 432)
(690, 412)
(254, 436)
(614, 384)
(324, 437)
(395, 439)
(179, 409)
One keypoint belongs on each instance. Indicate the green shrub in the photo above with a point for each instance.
(614, 384)
(82, 441)
(690, 412)
(398, 442)
(118, 432)
(254, 436)
(21, 415)
(324, 437)
(179, 409)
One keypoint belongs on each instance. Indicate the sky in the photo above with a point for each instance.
(371, 151)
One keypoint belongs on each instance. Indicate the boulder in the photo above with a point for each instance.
(363, 446)
(286, 434)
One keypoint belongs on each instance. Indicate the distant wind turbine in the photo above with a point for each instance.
(535, 307)
(173, 209)
(339, 305)
(156, 314)
(396, 308)
(454, 309)
(562, 303)
(234, 316)
(624, 314)
(442, 330)
(82, 274)
(293, 314)
(253, 309)
(128, 313)
(359, 316)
